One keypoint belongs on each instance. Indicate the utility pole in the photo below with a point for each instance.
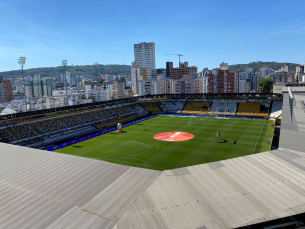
(64, 64)
(21, 62)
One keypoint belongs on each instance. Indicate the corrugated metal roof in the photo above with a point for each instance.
(243, 191)
(40, 189)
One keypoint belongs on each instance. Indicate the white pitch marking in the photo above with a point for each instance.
(259, 136)
(189, 121)
(135, 159)
(140, 143)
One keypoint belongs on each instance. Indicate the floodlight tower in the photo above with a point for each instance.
(21, 62)
(64, 64)
(96, 66)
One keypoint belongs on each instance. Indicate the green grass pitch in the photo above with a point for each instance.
(137, 147)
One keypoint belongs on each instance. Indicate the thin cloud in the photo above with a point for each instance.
(282, 32)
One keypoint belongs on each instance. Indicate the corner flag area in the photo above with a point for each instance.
(172, 142)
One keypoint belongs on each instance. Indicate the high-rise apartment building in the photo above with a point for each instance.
(137, 74)
(203, 76)
(6, 90)
(38, 87)
(221, 81)
(144, 54)
(250, 77)
(119, 88)
(147, 87)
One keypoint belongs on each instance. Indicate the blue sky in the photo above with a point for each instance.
(206, 32)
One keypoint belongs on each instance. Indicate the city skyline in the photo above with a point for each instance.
(206, 33)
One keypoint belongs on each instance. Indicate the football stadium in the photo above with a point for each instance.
(157, 161)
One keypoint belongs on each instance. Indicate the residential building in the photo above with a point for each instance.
(249, 75)
(282, 75)
(6, 90)
(147, 87)
(224, 66)
(185, 85)
(137, 74)
(178, 73)
(264, 72)
(119, 89)
(203, 76)
(37, 88)
(299, 74)
(221, 81)
(244, 86)
(109, 77)
(144, 54)
(163, 85)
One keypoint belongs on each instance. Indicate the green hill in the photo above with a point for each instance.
(84, 70)
(259, 64)
(88, 70)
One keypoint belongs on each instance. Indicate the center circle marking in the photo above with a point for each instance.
(173, 136)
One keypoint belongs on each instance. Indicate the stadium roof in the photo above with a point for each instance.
(41, 189)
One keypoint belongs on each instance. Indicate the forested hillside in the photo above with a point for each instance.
(259, 64)
(84, 70)
(88, 70)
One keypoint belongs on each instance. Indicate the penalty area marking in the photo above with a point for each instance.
(134, 162)
(259, 136)
(189, 122)
(140, 143)
(134, 159)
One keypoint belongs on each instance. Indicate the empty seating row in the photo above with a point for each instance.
(214, 106)
(172, 106)
(250, 109)
(196, 107)
(222, 106)
(276, 109)
(231, 107)
(152, 107)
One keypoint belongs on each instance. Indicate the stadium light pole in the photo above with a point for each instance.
(64, 64)
(21, 62)
(96, 66)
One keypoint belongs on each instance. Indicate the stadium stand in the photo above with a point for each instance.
(152, 107)
(214, 106)
(231, 107)
(196, 108)
(222, 106)
(57, 136)
(276, 109)
(250, 109)
(31, 130)
(137, 109)
(172, 106)
(109, 114)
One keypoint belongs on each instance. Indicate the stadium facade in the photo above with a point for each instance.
(41, 189)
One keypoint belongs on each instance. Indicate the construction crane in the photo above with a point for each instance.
(174, 54)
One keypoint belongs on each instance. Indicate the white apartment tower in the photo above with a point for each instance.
(144, 54)
(137, 74)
